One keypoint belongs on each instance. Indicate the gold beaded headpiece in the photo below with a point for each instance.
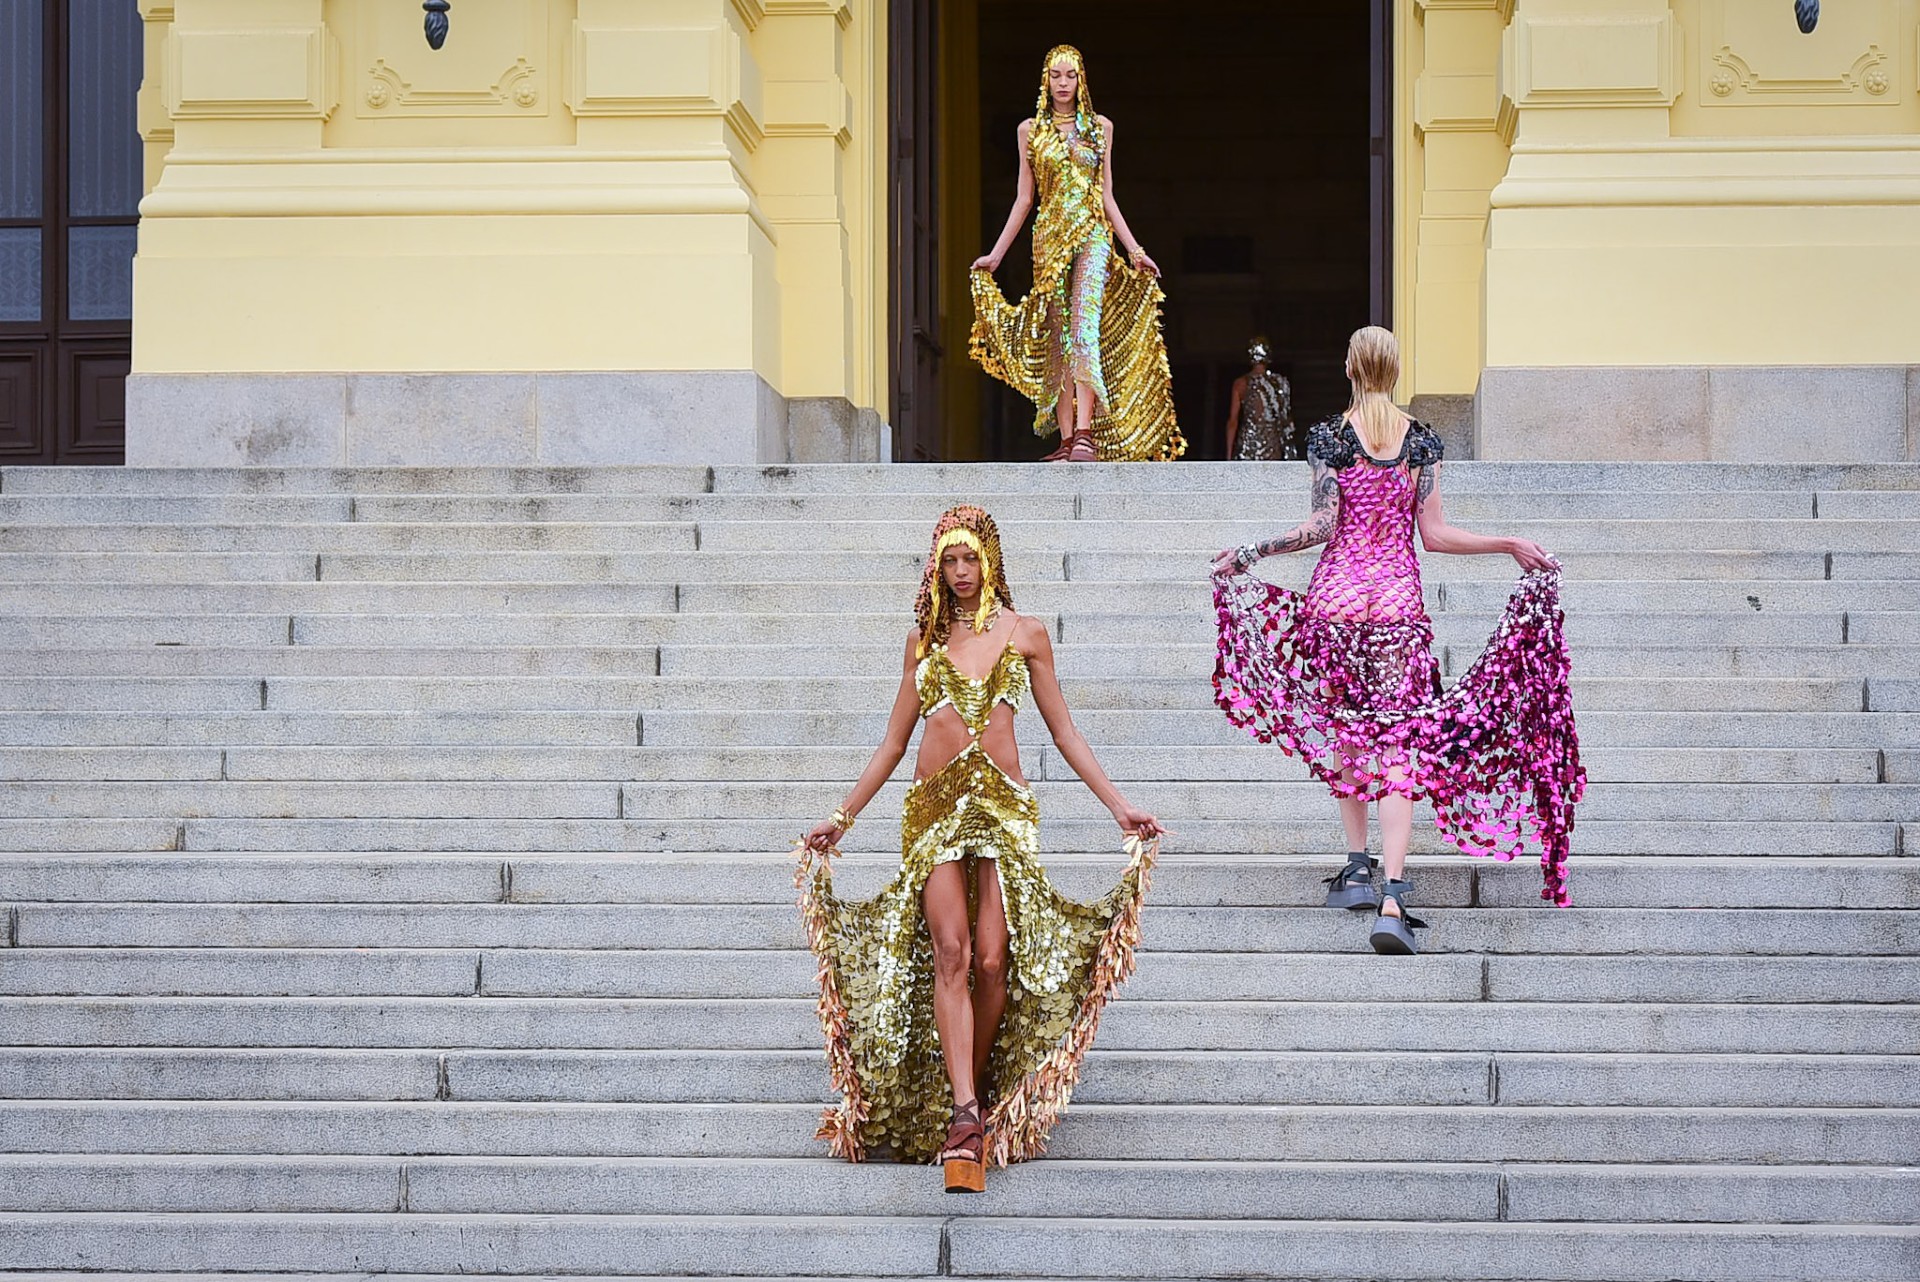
(934, 608)
(1085, 119)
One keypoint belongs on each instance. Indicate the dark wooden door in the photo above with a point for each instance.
(70, 184)
(914, 294)
(1380, 163)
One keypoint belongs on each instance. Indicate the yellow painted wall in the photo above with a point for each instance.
(567, 185)
(1658, 182)
(702, 185)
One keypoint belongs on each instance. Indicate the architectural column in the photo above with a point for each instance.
(1458, 157)
(584, 231)
(1704, 245)
(801, 169)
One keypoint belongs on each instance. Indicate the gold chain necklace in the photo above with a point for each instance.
(981, 629)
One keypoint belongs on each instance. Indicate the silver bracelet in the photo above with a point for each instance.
(1246, 555)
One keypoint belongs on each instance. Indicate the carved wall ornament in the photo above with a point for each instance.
(517, 85)
(1761, 57)
(1863, 75)
(496, 64)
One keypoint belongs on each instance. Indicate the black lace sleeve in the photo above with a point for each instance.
(1423, 446)
(1329, 442)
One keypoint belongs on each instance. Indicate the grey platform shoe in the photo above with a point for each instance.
(1395, 934)
(1354, 887)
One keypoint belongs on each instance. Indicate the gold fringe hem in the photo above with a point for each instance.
(840, 1124)
(1019, 1123)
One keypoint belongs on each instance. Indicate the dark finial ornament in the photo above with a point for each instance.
(1807, 13)
(436, 22)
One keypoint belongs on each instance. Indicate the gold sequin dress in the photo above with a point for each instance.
(876, 959)
(1092, 317)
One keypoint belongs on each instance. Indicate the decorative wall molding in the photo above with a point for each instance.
(1598, 61)
(496, 67)
(839, 10)
(1455, 102)
(518, 86)
(1747, 59)
(667, 71)
(1868, 74)
(258, 73)
(809, 109)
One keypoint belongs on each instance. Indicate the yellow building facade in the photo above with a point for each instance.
(607, 231)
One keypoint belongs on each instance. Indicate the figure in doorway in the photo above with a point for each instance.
(1260, 417)
(1085, 345)
(1344, 677)
(959, 1002)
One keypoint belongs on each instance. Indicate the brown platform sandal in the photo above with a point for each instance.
(1059, 455)
(964, 1155)
(1083, 450)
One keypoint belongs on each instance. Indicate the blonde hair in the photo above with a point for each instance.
(1373, 367)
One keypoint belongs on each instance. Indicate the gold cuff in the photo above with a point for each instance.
(841, 819)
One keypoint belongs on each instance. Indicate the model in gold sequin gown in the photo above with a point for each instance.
(879, 972)
(1085, 345)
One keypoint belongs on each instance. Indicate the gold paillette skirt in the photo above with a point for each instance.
(1065, 958)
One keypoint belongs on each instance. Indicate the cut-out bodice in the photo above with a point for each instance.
(941, 684)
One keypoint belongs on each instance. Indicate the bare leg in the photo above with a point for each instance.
(1396, 830)
(1063, 406)
(989, 969)
(1353, 815)
(944, 901)
(1085, 451)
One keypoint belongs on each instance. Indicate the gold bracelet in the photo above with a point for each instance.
(841, 819)
(1137, 253)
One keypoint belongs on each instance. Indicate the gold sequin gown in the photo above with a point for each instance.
(1092, 317)
(1065, 958)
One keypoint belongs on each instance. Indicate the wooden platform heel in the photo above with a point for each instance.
(964, 1156)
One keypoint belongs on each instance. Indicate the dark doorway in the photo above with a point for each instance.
(914, 292)
(1251, 158)
(70, 184)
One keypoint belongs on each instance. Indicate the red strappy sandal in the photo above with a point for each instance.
(964, 1155)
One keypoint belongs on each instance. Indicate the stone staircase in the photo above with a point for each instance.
(395, 883)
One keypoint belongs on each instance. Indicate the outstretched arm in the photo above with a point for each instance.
(1437, 536)
(893, 746)
(1121, 231)
(1315, 530)
(1037, 647)
(1022, 204)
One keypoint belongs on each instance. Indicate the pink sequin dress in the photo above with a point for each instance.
(1344, 676)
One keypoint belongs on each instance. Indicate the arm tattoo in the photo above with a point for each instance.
(1318, 527)
(1425, 486)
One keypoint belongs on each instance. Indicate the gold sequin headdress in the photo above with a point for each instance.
(1085, 119)
(934, 607)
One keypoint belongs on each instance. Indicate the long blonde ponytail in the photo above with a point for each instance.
(1373, 367)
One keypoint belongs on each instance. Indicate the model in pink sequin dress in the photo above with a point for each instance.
(1344, 676)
